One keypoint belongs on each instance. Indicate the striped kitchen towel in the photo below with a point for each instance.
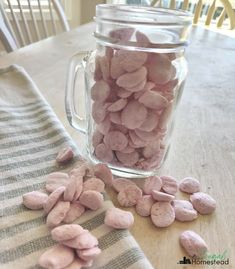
(30, 137)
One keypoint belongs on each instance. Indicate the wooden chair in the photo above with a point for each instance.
(25, 22)
(200, 10)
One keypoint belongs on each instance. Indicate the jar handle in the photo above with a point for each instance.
(76, 65)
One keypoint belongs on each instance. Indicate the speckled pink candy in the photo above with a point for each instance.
(169, 184)
(65, 155)
(103, 172)
(57, 257)
(83, 241)
(121, 183)
(162, 214)
(184, 210)
(57, 214)
(53, 198)
(116, 140)
(66, 232)
(189, 185)
(91, 199)
(161, 196)
(56, 180)
(129, 196)
(94, 184)
(193, 244)
(88, 254)
(152, 183)
(203, 203)
(75, 211)
(100, 91)
(118, 219)
(34, 200)
(144, 205)
(133, 115)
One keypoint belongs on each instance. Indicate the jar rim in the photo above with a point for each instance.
(143, 15)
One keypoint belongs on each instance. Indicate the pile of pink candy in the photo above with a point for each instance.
(76, 248)
(71, 194)
(66, 198)
(157, 199)
(133, 99)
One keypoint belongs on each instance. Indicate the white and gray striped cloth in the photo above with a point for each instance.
(30, 137)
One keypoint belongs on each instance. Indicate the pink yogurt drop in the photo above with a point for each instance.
(100, 91)
(115, 117)
(116, 69)
(153, 100)
(118, 105)
(122, 34)
(99, 111)
(138, 142)
(104, 153)
(132, 60)
(104, 126)
(97, 138)
(149, 85)
(116, 140)
(160, 68)
(128, 159)
(139, 87)
(151, 121)
(133, 115)
(130, 80)
(123, 93)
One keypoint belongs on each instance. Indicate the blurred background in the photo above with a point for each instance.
(78, 12)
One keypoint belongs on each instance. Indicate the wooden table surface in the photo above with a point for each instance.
(203, 144)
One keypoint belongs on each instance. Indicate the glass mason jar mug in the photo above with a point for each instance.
(133, 82)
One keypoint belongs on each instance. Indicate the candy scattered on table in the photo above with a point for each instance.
(203, 203)
(193, 244)
(118, 219)
(70, 195)
(184, 210)
(189, 185)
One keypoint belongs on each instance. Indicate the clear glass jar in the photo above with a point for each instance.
(133, 83)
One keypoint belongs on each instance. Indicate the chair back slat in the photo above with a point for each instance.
(230, 12)
(25, 23)
(8, 41)
(185, 4)
(210, 13)
(28, 21)
(8, 24)
(197, 12)
(52, 18)
(172, 4)
(58, 8)
(42, 19)
(18, 29)
(221, 18)
(34, 22)
(154, 2)
(205, 10)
